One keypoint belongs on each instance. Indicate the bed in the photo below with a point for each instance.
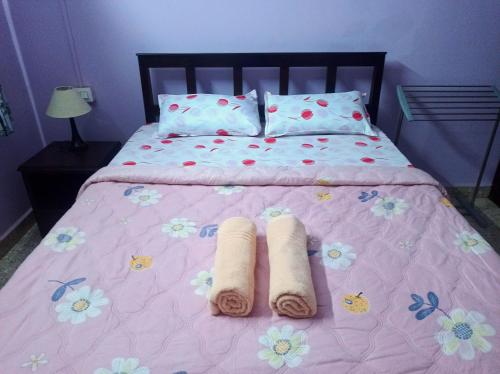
(120, 284)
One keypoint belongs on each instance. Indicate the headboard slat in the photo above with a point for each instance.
(238, 61)
(238, 80)
(151, 113)
(284, 78)
(375, 94)
(331, 79)
(191, 79)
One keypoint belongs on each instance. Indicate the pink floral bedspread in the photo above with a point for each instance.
(120, 284)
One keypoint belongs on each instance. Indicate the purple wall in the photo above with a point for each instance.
(94, 42)
(25, 141)
(450, 41)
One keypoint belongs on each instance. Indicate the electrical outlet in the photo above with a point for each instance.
(85, 93)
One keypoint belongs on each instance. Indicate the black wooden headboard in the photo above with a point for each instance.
(238, 61)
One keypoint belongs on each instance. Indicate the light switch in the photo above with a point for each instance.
(85, 93)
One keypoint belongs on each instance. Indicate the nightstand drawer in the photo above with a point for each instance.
(52, 191)
(54, 176)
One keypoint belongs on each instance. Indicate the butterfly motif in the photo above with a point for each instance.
(365, 196)
(130, 190)
(59, 292)
(208, 231)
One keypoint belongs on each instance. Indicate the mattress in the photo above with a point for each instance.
(404, 284)
(145, 147)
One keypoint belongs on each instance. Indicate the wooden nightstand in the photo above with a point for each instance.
(54, 175)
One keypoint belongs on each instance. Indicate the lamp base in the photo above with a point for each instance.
(77, 143)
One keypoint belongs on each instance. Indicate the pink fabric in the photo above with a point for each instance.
(381, 241)
(280, 176)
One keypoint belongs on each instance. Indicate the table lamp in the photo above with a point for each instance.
(67, 103)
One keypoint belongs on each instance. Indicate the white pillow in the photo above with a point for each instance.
(329, 113)
(208, 114)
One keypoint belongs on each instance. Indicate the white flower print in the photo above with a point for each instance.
(406, 244)
(35, 361)
(228, 190)
(87, 201)
(388, 207)
(80, 304)
(472, 242)
(124, 221)
(179, 228)
(464, 332)
(273, 212)
(124, 366)
(203, 282)
(337, 255)
(283, 347)
(64, 239)
(145, 197)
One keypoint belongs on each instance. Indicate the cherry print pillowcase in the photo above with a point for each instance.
(329, 113)
(207, 114)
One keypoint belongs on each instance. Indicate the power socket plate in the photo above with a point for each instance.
(85, 93)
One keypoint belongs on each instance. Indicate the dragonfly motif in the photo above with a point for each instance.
(208, 231)
(130, 190)
(59, 292)
(313, 246)
(364, 197)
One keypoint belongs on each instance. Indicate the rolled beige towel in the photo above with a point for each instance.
(232, 290)
(291, 290)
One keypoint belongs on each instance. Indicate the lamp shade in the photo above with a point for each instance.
(67, 103)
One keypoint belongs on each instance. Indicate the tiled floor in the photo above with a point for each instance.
(21, 244)
(19, 251)
(489, 211)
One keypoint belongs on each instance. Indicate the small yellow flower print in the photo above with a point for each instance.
(324, 196)
(323, 182)
(446, 202)
(355, 304)
(139, 263)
